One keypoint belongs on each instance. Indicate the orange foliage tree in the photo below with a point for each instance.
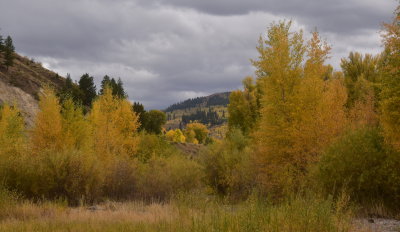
(390, 97)
(301, 110)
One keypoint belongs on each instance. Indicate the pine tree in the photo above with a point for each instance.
(139, 110)
(1, 44)
(71, 90)
(106, 82)
(119, 89)
(86, 85)
(8, 52)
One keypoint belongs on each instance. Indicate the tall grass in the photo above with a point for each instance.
(194, 213)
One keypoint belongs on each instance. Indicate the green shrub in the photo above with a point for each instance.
(69, 175)
(152, 145)
(121, 180)
(363, 166)
(160, 177)
(228, 167)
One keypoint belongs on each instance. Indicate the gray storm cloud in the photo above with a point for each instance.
(168, 50)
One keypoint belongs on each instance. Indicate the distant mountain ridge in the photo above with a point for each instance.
(217, 99)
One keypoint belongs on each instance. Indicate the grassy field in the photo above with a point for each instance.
(190, 213)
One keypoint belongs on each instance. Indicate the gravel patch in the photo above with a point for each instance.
(377, 225)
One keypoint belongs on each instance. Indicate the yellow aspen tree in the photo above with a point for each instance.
(363, 111)
(280, 67)
(302, 110)
(191, 137)
(308, 117)
(170, 135)
(76, 128)
(358, 70)
(198, 131)
(47, 132)
(175, 136)
(318, 100)
(390, 96)
(12, 129)
(114, 126)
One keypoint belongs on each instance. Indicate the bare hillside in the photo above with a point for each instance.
(21, 84)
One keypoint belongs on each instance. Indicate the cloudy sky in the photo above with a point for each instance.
(170, 50)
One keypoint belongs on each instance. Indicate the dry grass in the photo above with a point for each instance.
(189, 213)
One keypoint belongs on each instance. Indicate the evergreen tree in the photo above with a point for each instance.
(119, 89)
(71, 90)
(154, 121)
(104, 83)
(139, 110)
(1, 44)
(86, 85)
(8, 52)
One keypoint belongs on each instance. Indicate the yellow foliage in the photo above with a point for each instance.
(114, 126)
(243, 107)
(175, 136)
(11, 130)
(390, 104)
(76, 128)
(196, 133)
(47, 132)
(301, 112)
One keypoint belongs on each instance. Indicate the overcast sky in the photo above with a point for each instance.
(170, 50)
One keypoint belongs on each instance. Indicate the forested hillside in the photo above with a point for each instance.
(210, 110)
(217, 99)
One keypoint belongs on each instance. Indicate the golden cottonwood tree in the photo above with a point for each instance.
(320, 115)
(76, 128)
(361, 78)
(390, 97)
(48, 132)
(297, 102)
(11, 130)
(279, 65)
(114, 126)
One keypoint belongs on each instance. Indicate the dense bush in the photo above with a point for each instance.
(228, 167)
(121, 180)
(152, 145)
(160, 178)
(71, 175)
(363, 166)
